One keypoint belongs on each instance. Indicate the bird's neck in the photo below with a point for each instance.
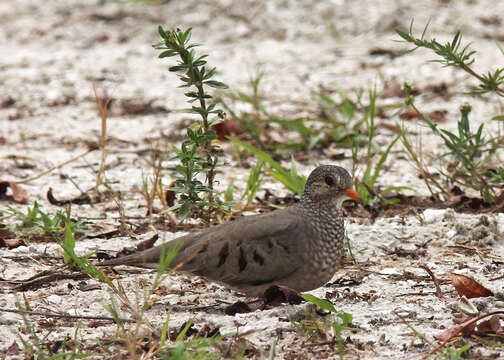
(327, 226)
(327, 209)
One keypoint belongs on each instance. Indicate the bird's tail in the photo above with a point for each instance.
(151, 258)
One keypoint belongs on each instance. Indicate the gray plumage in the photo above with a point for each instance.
(298, 247)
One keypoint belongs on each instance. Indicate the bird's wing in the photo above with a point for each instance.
(151, 257)
(254, 250)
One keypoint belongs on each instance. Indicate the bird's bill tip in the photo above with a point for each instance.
(352, 194)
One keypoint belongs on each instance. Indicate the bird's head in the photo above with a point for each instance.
(330, 183)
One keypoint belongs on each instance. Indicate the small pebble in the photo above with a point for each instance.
(390, 271)
(451, 233)
(499, 304)
(55, 299)
(433, 215)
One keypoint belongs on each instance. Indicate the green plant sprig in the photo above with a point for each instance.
(455, 55)
(198, 154)
(290, 179)
(471, 150)
(38, 223)
(340, 320)
(373, 163)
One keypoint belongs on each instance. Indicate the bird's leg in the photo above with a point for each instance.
(239, 307)
(274, 296)
(277, 294)
(249, 305)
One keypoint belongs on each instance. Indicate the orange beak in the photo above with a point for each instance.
(352, 194)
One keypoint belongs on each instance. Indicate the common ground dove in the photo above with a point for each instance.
(298, 247)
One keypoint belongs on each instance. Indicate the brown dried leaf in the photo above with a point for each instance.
(18, 193)
(9, 240)
(170, 196)
(465, 327)
(469, 330)
(392, 89)
(440, 89)
(226, 128)
(469, 287)
(12, 243)
(7, 101)
(491, 325)
(408, 115)
(471, 327)
(97, 324)
(12, 350)
(450, 333)
(42, 239)
(6, 234)
(436, 116)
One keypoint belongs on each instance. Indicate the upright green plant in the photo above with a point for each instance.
(253, 183)
(257, 120)
(471, 150)
(198, 154)
(35, 347)
(290, 179)
(37, 222)
(252, 122)
(340, 319)
(373, 167)
(339, 115)
(252, 187)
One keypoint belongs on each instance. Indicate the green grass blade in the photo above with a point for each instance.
(82, 263)
(321, 303)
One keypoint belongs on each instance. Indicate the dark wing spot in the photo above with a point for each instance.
(284, 247)
(278, 243)
(258, 258)
(223, 254)
(242, 262)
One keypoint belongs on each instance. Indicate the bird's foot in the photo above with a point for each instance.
(276, 295)
(273, 296)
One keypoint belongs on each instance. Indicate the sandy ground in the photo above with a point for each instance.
(52, 53)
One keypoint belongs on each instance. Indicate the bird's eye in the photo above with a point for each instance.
(329, 180)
